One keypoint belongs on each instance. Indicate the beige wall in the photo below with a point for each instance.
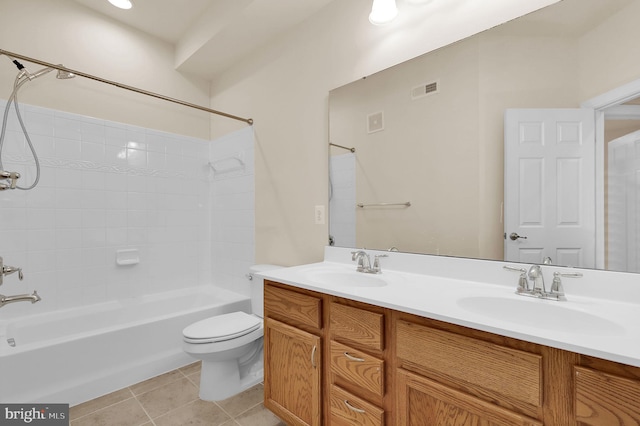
(423, 155)
(284, 86)
(609, 56)
(63, 31)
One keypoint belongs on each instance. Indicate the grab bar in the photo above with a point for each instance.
(405, 204)
(343, 147)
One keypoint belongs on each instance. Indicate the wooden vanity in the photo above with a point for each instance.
(335, 361)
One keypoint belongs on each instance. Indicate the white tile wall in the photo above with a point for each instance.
(106, 186)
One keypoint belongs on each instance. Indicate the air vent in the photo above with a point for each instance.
(375, 122)
(424, 89)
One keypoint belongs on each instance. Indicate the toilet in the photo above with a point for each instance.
(230, 346)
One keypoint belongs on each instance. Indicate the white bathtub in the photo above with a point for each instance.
(79, 354)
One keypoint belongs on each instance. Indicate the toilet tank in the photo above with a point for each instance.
(257, 288)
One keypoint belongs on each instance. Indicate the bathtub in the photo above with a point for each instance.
(78, 354)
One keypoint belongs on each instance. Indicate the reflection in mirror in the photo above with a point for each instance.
(430, 132)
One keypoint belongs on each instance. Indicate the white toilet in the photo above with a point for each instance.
(230, 346)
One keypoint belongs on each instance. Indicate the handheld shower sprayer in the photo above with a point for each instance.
(23, 77)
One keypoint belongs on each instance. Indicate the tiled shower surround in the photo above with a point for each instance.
(343, 199)
(106, 187)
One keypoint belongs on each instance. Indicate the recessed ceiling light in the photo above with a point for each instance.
(122, 4)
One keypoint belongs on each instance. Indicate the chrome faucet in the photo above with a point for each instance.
(538, 288)
(8, 270)
(535, 274)
(364, 262)
(33, 298)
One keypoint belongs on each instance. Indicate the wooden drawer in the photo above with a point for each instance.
(347, 409)
(604, 399)
(482, 368)
(357, 325)
(358, 368)
(291, 305)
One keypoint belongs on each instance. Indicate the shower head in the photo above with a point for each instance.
(64, 75)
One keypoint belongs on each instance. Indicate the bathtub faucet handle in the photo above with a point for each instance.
(8, 270)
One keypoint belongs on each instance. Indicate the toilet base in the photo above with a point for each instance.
(221, 380)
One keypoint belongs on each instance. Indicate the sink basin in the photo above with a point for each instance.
(550, 315)
(346, 278)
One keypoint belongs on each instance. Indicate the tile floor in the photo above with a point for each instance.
(171, 399)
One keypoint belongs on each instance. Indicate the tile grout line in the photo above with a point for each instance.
(106, 406)
(158, 386)
(248, 409)
(145, 412)
(184, 376)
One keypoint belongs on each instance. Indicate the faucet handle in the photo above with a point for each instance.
(556, 285)
(376, 262)
(8, 270)
(356, 253)
(523, 283)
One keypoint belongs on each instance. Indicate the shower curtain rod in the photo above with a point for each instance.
(123, 86)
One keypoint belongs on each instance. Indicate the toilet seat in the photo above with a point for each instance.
(221, 328)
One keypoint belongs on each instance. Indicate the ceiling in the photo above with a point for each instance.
(211, 35)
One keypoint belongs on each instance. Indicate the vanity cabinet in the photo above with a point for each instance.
(293, 355)
(334, 361)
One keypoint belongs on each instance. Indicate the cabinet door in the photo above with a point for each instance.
(292, 373)
(424, 402)
(606, 400)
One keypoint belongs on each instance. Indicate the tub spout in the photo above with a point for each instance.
(33, 298)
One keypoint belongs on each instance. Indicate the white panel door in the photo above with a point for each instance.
(549, 189)
(623, 221)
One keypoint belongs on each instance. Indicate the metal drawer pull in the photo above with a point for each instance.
(352, 408)
(313, 356)
(353, 358)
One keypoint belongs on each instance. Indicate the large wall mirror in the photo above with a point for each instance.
(426, 173)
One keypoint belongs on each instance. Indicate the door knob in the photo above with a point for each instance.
(514, 236)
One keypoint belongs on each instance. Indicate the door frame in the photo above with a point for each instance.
(600, 104)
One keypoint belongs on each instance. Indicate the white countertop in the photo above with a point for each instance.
(604, 327)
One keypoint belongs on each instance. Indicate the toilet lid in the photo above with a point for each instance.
(222, 327)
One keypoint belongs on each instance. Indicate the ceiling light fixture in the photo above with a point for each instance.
(383, 12)
(122, 4)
